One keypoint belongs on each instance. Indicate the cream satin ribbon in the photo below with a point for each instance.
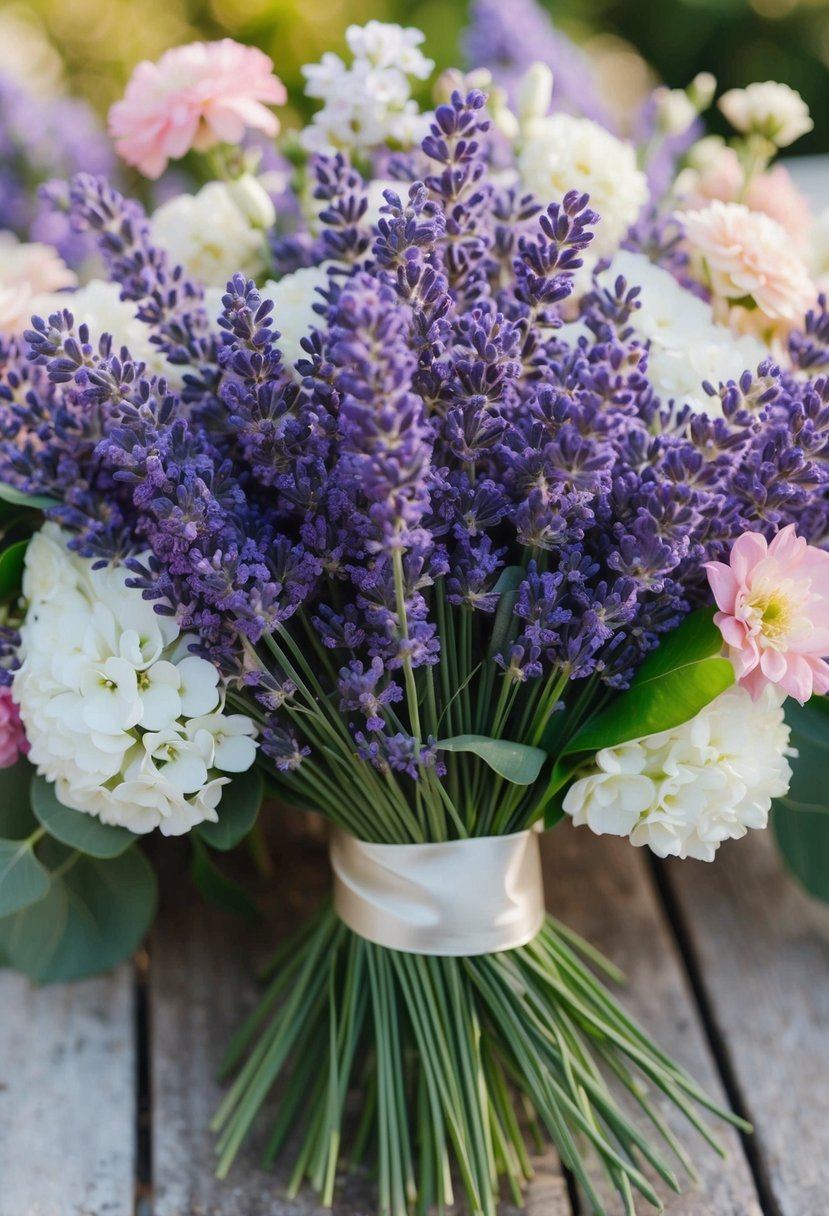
(460, 898)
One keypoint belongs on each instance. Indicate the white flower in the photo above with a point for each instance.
(118, 711)
(535, 93)
(562, 153)
(683, 791)
(209, 235)
(253, 200)
(228, 738)
(686, 346)
(26, 272)
(768, 108)
(369, 103)
(199, 690)
(294, 316)
(98, 304)
(675, 111)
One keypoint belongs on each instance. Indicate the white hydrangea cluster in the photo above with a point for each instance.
(683, 791)
(119, 714)
(562, 153)
(369, 103)
(686, 345)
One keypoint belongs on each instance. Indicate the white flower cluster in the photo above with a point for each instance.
(119, 714)
(369, 103)
(562, 153)
(683, 791)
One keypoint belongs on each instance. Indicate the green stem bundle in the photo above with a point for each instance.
(449, 1055)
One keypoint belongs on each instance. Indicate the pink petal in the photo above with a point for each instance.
(754, 683)
(747, 551)
(787, 546)
(723, 584)
(798, 681)
(774, 665)
(733, 631)
(820, 674)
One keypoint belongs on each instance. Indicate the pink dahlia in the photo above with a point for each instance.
(194, 97)
(774, 612)
(13, 741)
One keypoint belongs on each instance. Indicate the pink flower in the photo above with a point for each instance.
(194, 97)
(13, 741)
(774, 612)
(773, 192)
(745, 253)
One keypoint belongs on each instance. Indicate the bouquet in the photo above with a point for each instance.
(492, 492)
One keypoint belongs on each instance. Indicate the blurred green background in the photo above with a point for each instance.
(738, 40)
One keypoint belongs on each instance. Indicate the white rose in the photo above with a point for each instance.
(563, 153)
(209, 235)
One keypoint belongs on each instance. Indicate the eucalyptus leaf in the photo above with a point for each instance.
(23, 880)
(217, 887)
(237, 811)
(16, 818)
(35, 502)
(509, 581)
(94, 916)
(802, 836)
(515, 762)
(11, 569)
(674, 683)
(80, 831)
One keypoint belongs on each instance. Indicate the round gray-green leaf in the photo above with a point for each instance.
(94, 916)
(802, 835)
(11, 569)
(237, 811)
(23, 880)
(80, 831)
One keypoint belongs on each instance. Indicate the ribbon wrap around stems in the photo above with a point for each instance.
(458, 898)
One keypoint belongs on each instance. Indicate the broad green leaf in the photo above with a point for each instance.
(674, 683)
(11, 569)
(94, 916)
(509, 580)
(515, 762)
(810, 721)
(80, 831)
(35, 502)
(16, 818)
(23, 880)
(810, 736)
(217, 887)
(237, 811)
(803, 840)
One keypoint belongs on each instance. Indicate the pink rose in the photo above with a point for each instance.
(13, 741)
(194, 97)
(774, 613)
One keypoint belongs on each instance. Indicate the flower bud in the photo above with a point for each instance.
(535, 93)
(254, 202)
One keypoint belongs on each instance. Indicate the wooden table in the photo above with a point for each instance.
(106, 1086)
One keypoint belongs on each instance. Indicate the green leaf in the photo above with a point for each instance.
(94, 916)
(238, 809)
(802, 836)
(509, 580)
(516, 762)
(80, 831)
(674, 683)
(217, 887)
(16, 818)
(809, 725)
(11, 569)
(35, 502)
(23, 880)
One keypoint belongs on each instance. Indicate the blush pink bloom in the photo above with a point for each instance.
(773, 192)
(746, 253)
(13, 741)
(774, 613)
(194, 97)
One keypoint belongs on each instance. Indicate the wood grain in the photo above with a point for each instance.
(603, 889)
(67, 1097)
(762, 949)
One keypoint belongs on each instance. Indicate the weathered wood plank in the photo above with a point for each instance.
(67, 1097)
(603, 889)
(762, 949)
(201, 986)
